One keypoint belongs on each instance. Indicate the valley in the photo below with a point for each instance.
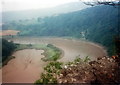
(60, 42)
(27, 64)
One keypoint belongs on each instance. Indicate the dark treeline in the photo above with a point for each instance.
(98, 24)
(7, 49)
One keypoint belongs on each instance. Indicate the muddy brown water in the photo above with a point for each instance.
(70, 47)
(27, 65)
(25, 68)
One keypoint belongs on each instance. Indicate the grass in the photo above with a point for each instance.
(51, 70)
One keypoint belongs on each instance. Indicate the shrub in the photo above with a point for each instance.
(86, 59)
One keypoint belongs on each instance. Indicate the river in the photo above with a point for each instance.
(27, 65)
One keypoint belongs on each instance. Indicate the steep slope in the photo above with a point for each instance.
(99, 24)
(102, 71)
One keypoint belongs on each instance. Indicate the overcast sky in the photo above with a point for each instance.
(13, 5)
(10, 5)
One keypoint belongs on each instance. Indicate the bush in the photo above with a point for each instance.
(51, 70)
(86, 59)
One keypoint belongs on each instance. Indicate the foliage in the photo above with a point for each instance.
(86, 59)
(51, 52)
(46, 78)
(51, 70)
(52, 67)
(78, 60)
(7, 49)
(56, 52)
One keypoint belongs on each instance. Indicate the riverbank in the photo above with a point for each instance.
(25, 54)
(71, 47)
(25, 60)
(50, 52)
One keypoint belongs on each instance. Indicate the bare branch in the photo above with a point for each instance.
(101, 2)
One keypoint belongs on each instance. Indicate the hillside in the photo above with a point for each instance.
(34, 13)
(102, 71)
(98, 24)
(70, 43)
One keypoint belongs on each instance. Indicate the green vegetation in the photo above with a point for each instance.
(53, 69)
(55, 53)
(86, 59)
(51, 72)
(51, 52)
(7, 49)
(78, 60)
(97, 24)
(7, 60)
(29, 46)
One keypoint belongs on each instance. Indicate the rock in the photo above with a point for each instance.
(65, 67)
(103, 70)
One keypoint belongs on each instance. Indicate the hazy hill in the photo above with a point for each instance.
(28, 14)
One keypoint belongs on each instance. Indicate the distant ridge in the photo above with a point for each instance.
(28, 14)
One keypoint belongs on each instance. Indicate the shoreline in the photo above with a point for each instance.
(70, 49)
(56, 40)
(45, 54)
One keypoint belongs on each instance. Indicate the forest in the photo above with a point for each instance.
(7, 49)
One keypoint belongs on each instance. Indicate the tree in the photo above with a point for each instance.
(102, 2)
(7, 48)
(116, 4)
